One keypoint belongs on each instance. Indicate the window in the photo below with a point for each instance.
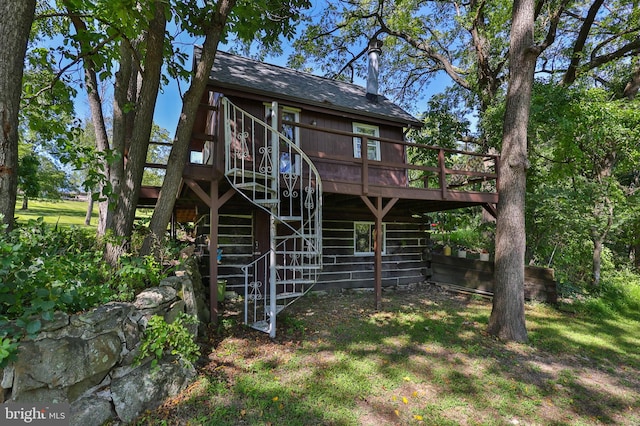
(373, 146)
(364, 237)
(289, 161)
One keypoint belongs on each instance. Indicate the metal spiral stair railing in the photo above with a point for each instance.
(273, 173)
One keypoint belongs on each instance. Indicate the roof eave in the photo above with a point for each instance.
(324, 105)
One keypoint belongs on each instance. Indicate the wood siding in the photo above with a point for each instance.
(236, 241)
(333, 154)
(403, 263)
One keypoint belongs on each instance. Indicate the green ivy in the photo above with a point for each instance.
(161, 337)
(45, 269)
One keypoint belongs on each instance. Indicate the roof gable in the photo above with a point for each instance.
(236, 72)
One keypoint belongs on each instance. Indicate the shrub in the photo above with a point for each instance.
(161, 337)
(44, 269)
(619, 294)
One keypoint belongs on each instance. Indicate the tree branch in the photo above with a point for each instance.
(553, 29)
(581, 40)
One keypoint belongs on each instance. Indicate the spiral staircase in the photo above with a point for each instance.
(273, 173)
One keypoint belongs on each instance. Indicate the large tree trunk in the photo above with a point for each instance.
(125, 94)
(507, 319)
(180, 149)
(97, 118)
(16, 17)
(129, 190)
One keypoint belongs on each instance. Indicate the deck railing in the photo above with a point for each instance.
(439, 168)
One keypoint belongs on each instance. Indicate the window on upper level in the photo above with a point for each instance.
(289, 160)
(373, 146)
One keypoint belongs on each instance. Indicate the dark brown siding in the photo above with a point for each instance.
(236, 242)
(403, 262)
(333, 154)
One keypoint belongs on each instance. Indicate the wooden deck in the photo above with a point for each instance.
(447, 179)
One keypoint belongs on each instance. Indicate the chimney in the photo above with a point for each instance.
(374, 51)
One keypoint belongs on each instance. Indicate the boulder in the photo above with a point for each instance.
(61, 363)
(91, 410)
(146, 387)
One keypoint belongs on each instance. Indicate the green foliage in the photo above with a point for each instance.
(135, 274)
(28, 182)
(8, 350)
(464, 228)
(580, 184)
(618, 295)
(39, 176)
(45, 269)
(174, 338)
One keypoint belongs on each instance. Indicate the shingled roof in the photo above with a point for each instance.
(248, 75)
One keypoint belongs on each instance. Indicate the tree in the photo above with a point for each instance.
(591, 153)
(507, 316)
(16, 17)
(107, 33)
(468, 43)
(28, 181)
(247, 26)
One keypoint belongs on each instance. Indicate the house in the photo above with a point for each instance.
(301, 180)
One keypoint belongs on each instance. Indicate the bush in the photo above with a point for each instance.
(161, 338)
(45, 269)
(618, 295)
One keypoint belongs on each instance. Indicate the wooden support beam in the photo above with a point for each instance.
(491, 209)
(203, 195)
(213, 251)
(199, 191)
(379, 212)
(214, 207)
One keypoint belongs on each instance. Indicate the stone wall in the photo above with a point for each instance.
(87, 359)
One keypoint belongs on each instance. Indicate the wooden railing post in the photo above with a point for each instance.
(364, 156)
(443, 174)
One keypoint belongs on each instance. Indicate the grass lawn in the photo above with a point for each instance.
(62, 212)
(424, 359)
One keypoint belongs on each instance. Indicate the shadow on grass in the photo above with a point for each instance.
(424, 357)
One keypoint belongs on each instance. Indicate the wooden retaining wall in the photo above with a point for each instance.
(477, 276)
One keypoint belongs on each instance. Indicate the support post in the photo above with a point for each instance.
(377, 248)
(275, 187)
(213, 250)
(379, 212)
(272, 277)
(443, 174)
